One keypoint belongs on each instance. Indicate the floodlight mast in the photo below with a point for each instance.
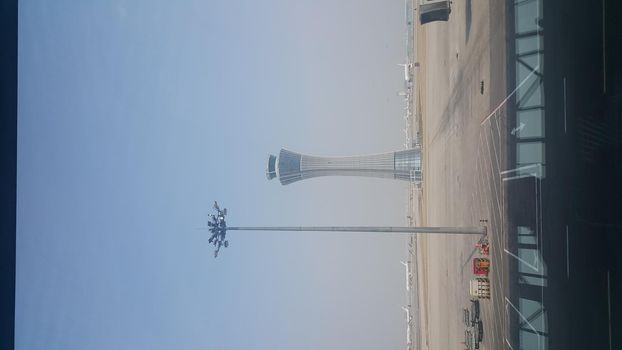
(218, 228)
(474, 230)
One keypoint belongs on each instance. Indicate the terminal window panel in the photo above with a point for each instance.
(530, 123)
(533, 328)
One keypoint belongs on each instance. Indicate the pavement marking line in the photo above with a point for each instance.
(539, 37)
(472, 207)
(482, 204)
(609, 304)
(520, 168)
(567, 255)
(486, 194)
(496, 241)
(477, 176)
(565, 104)
(525, 320)
(604, 59)
(502, 187)
(494, 174)
(536, 266)
(533, 267)
(496, 155)
(469, 258)
(540, 245)
(498, 244)
(482, 192)
(498, 313)
(511, 94)
(517, 177)
(537, 191)
(502, 229)
(500, 289)
(492, 183)
(480, 179)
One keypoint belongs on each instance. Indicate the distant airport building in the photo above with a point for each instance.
(291, 166)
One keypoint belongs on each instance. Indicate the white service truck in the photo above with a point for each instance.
(479, 288)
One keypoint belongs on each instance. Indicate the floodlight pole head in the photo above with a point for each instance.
(218, 228)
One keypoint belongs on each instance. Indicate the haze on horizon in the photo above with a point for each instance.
(135, 116)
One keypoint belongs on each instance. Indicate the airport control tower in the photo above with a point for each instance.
(291, 167)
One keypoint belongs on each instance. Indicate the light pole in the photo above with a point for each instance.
(218, 228)
(474, 230)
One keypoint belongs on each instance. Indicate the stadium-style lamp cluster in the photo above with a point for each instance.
(218, 228)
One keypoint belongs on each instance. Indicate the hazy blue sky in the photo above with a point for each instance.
(135, 115)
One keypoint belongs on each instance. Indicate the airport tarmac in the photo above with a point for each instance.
(536, 153)
(460, 158)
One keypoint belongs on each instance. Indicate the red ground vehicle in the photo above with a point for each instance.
(481, 266)
(484, 247)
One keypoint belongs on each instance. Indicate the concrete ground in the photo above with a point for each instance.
(461, 158)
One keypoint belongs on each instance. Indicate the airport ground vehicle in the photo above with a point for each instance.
(481, 266)
(479, 288)
(471, 339)
(474, 334)
(474, 310)
(480, 330)
(434, 10)
(483, 246)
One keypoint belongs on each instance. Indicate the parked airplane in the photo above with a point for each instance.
(408, 274)
(407, 70)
